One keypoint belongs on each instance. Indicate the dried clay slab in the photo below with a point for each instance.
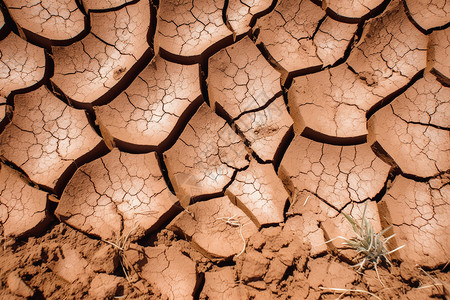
(46, 137)
(390, 52)
(438, 55)
(3, 26)
(259, 193)
(240, 79)
(216, 226)
(315, 222)
(351, 10)
(4, 109)
(241, 12)
(324, 179)
(54, 20)
(117, 194)
(265, 129)
(188, 28)
(339, 226)
(95, 5)
(420, 215)
(87, 69)
(22, 207)
(167, 269)
(298, 36)
(154, 106)
(429, 14)
(21, 64)
(205, 157)
(221, 285)
(332, 102)
(413, 129)
(336, 174)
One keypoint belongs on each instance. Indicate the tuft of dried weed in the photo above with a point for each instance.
(371, 247)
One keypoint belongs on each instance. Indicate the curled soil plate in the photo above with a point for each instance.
(225, 149)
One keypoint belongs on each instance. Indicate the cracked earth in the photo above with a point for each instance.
(193, 149)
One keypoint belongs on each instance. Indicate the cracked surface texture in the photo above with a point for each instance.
(352, 9)
(259, 192)
(316, 222)
(426, 102)
(3, 108)
(104, 4)
(169, 270)
(46, 136)
(264, 129)
(298, 36)
(336, 174)
(189, 27)
(332, 40)
(305, 223)
(87, 69)
(241, 12)
(333, 102)
(21, 64)
(22, 207)
(390, 52)
(147, 112)
(438, 54)
(419, 213)
(287, 33)
(339, 225)
(206, 226)
(169, 136)
(221, 285)
(115, 194)
(2, 21)
(429, 13)
(52, 19)
(240, 79)
(205, 157)
(413, 129)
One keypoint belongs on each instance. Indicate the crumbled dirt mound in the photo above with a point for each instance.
(194, 149)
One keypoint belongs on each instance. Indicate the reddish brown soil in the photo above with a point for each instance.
(66, 264)
(195, 149)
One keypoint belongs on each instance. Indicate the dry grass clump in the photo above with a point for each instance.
(371, 247)
(122, 245)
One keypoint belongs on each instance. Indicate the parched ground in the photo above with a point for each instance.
(194, 149)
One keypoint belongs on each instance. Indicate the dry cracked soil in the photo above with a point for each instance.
(209, 149)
